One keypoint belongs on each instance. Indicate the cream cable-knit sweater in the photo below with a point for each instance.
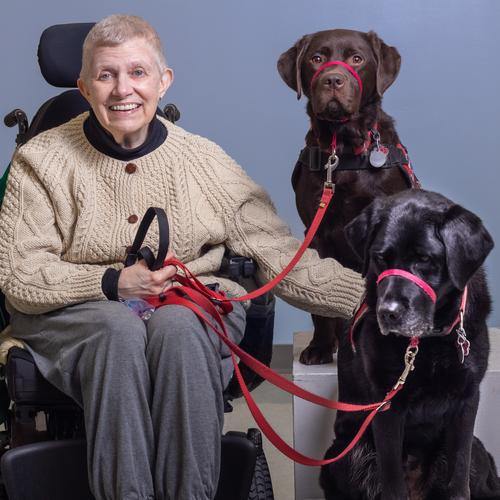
(65, 220)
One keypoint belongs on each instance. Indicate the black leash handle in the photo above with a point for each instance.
(136, 253)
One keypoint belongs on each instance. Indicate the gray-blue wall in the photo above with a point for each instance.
(446, 100)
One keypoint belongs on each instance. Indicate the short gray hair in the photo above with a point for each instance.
(117, 29)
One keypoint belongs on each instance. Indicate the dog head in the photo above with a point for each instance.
(335, 94)
(427, 235)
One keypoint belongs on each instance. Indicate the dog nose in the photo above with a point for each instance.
(391, 312)
(334, 80)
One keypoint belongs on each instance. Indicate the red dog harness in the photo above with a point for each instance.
(394, 155)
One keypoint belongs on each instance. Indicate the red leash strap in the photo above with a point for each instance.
(192, 281)
(461, 312)
(358, 315)
(201, 306)
(198, 298)
(326, 197)
(175, 296)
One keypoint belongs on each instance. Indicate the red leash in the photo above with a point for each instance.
(198, 302)
(209, 305)
(190, 280)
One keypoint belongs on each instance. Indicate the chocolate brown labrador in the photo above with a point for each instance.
(338, 106)
(422, 447)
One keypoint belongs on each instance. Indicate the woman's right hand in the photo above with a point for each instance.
(137, 281)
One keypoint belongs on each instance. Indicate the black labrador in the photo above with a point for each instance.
(338, 105)
(423, 446)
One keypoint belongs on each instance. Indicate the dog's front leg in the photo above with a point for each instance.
(459, 434)
(388, 432)
(324, 342)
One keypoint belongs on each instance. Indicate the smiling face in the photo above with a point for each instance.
(123, 87)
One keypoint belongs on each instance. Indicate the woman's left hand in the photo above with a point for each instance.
(137, 281)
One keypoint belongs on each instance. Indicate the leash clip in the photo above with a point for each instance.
(331, 165)
(410, 355)
(463, 343)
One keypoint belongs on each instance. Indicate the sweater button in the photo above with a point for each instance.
(130, 168)
(133, 218)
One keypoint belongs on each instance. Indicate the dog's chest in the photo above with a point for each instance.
(354, 190)
(438, 387)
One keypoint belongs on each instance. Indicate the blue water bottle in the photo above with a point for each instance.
(141, 307)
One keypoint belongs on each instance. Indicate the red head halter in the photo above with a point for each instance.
(409, 276)
(338, 63)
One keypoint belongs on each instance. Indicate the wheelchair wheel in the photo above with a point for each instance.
(261, 487)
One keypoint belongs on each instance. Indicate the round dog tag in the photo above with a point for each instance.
(377, 158)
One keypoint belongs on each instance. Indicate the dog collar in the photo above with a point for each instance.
(348, 67)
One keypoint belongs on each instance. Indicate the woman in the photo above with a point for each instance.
(151, 393)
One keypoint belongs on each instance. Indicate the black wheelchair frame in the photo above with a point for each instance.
(43, 448)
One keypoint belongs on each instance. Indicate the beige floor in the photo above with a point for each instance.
(277, 408)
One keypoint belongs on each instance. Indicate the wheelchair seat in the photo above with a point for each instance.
(58, 437)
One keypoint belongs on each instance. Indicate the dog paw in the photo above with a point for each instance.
(316, 355)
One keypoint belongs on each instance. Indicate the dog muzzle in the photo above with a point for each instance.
(348, 67)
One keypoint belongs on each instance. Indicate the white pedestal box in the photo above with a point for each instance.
(313, 425)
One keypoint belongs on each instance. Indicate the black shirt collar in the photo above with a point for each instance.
(103, 141)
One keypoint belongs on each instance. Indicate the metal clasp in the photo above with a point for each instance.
(376, 137)
(463, 343)
(330, 166)
(410, 355)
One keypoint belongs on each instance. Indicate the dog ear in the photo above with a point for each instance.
(388, 62)
(290, 62)
(361, 231)
(467, 244)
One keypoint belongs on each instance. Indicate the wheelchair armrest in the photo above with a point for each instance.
(6, 343)
(26, 384)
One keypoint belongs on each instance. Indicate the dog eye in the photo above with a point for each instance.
(423, 258)
(356, 59)
(317, 59)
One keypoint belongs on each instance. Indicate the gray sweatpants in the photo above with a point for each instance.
(151, 394)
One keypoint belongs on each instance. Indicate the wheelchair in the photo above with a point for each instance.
(43, 448)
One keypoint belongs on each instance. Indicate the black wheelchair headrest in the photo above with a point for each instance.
(60, 53)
